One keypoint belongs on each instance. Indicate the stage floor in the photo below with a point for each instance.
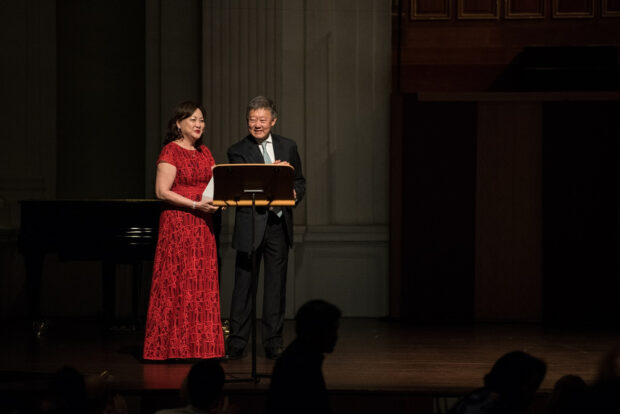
(371, 356)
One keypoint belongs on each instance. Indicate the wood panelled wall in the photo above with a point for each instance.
(489, 220)
(465, 45)
(512, 9)
(509, 210)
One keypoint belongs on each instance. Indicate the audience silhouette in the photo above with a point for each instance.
(297, 383)
(605, 392)
(67, 393)
(569, 396)
(509, 388)
(203, 390)
(71, 392)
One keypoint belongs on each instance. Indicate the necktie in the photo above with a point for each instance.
(266, 156)
(268, 160)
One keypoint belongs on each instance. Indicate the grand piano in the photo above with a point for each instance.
(111, 231)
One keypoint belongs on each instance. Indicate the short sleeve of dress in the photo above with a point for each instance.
(167, 155)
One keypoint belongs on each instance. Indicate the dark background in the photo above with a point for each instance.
(504, 143)
(505, 161)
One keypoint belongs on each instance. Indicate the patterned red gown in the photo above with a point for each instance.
(183, 319)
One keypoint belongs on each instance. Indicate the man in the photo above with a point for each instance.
(297, 384)
(273, 234)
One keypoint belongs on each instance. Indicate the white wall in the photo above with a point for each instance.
(326, 63)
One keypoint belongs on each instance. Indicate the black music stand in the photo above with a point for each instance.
(251, 185)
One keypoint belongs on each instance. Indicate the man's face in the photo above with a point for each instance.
(330, 337)
(260, 122)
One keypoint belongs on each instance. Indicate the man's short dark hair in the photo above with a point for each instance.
(516, 376)
(261, 102)
(314, 316)
(205, 382)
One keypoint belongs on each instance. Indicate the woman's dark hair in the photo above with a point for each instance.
(182, 111)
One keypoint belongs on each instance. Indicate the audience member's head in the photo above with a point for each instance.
(316, 324)
(204, 384)
(515, 377)
(569, 396)
(67, 392)
(606, 389)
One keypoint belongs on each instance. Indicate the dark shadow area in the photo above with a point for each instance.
(438, 211)
(580, 214)
(566, 68)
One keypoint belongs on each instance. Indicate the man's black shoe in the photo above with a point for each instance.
(273, 352)
(234, 353)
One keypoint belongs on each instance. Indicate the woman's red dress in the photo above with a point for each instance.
(183, 319)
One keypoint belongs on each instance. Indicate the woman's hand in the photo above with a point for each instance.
(206, 206)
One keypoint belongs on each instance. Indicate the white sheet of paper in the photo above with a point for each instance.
(207, 195)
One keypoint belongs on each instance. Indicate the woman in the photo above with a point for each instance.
(183, 319)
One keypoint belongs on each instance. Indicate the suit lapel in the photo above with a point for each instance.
(254, 154)
(277, 147)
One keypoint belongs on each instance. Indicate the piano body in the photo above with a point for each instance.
(111, 231)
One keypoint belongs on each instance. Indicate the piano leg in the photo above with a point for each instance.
(108, 274)
(137, 292)
(33, 262)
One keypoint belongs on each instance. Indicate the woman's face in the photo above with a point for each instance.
(193, 126)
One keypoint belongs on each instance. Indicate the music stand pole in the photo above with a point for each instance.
(235, 184)
(254, 282)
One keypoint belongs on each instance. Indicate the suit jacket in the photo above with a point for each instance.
(246, 151)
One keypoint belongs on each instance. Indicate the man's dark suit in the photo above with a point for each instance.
(273, 237)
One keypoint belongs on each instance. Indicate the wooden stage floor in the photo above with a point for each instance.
(371, 356)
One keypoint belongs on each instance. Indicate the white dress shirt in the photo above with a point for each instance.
(269, 148)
